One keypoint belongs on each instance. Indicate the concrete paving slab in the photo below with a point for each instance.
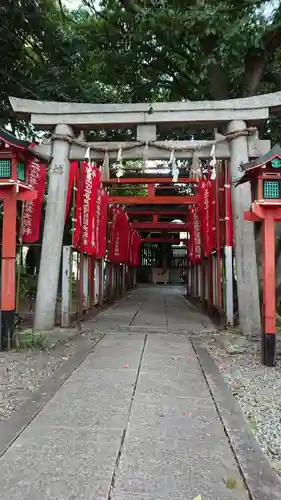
(207, 494)
(188, 416)
(117, 363)
(169, 364)
(95, 413)
(59, 464)
(163, 405)
(194, 386)
(167, 342)
(176, 467)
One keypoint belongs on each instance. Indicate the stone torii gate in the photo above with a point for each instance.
(236, 118)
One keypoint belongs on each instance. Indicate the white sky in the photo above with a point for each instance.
(72, 4)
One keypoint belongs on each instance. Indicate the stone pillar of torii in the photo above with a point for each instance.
(236, 118)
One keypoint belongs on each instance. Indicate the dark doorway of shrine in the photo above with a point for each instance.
(162, 264)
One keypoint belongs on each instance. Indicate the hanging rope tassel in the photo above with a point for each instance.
(105, 167)
(88, 155)
(196, 171)
(175, 170)
(145, 157)
(120, 170)
(213, 163)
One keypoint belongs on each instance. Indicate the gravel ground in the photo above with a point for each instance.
(22, 371)
(257, 389)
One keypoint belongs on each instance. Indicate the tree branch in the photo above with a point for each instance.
(131, 6)
(256, 59)
(255, 62)
(217, 75)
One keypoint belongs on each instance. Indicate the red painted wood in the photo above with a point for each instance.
(151, 190)
(91, 274)
(153, 200)
(269, 310)
(110, 284)
(174, 241)
(148, 180)
(210, 283)
(251, 217)
(27, 195)
(218, 245)
(203, 279)
(156, 211)
(100, 281)
(196, 280)
(81, 288)
(8, 282)
(160, 225)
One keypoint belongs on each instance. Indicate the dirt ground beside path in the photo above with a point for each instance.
(256, 388)
(22, 371)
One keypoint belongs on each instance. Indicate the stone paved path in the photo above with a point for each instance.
(135, 421)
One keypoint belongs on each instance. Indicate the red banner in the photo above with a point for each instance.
(101, 222)
(190, 244)
(206, 191)
(126, 235)
(78, 208)
(88, 182)
(195, 234)
(89, 199)
(73, 171)
(32, 210)
(134, 254)
(120, 236)
(138, 243)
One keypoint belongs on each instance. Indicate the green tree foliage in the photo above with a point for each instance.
(139, 50)
(43, 55)
(180, 49)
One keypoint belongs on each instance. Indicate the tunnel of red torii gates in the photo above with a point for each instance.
(161, 234)
(152, 224)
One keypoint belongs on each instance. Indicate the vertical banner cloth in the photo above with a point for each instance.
(78, 207)
(89, 197)
(88, 183)
(195, 235)
(191, 236)
(32, 210)
(126, 236)
(137, 259)
(122, 238)
(206, 192)
(101, 221)
(134, 256)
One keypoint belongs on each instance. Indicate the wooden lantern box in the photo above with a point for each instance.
(264, 175)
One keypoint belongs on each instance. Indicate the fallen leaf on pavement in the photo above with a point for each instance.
(233, 483)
